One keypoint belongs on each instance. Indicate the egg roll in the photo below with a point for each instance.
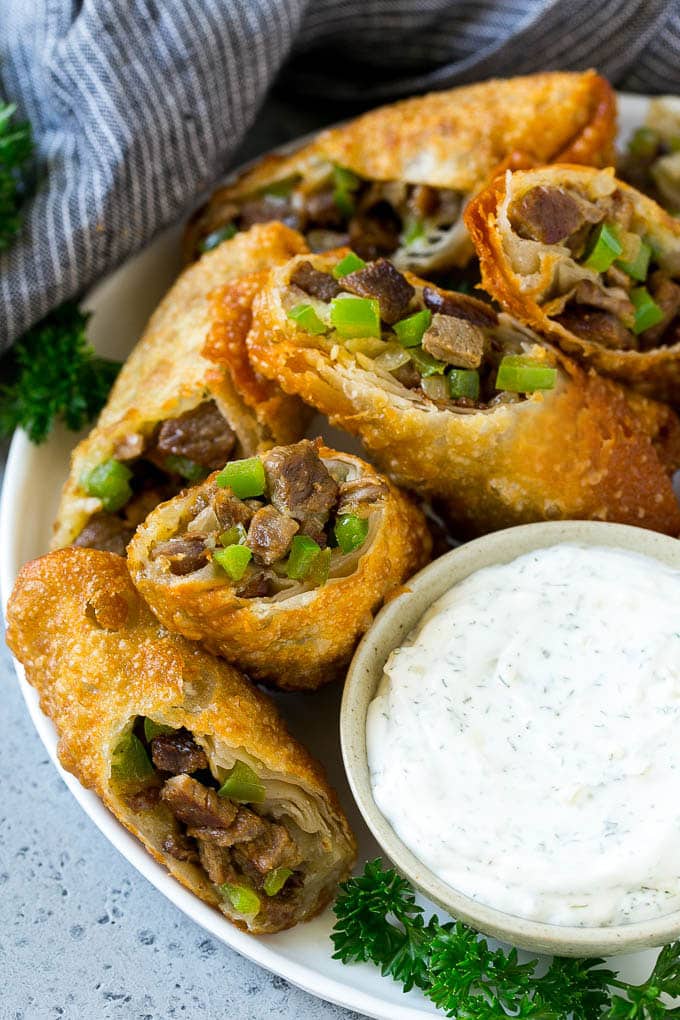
(394, 182)
(279, 562)
(184, 402)
(460, 403)
(592, 263)
(187, 755)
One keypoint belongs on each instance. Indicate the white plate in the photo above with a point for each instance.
(121, 305)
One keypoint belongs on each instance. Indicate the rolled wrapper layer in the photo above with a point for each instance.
(187, 755)
(395, 181)
(283, 584)
(436, 396)
(592, 263)
(185, 400)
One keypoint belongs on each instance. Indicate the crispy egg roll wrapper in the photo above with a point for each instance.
(581, 450)
(303, 636)
(181, 361)
(453, 139)
(98, 659)
(520, 272)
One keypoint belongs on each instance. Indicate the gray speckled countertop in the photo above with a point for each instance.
(82, 934)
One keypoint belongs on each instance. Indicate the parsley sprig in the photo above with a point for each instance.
(16, 148)
(56, 375)
(379, 921)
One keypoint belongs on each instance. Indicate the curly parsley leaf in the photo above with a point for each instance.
(56, 375)
(379, 921)
(16, 148)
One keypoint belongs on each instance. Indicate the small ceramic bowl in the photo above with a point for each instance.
(391, 627)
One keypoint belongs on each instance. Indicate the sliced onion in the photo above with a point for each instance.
(436, 387)
(393, 357)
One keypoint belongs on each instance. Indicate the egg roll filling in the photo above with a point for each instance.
(419, 227)
(651, 162)
(147, 469)
(449, 349)
(220, 820)
(275, 525)
(610, 281)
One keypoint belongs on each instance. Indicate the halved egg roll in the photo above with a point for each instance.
(591, 262)
(185, 401)
(194, 761)
(458, 402)
(394, 181)
(279, 562)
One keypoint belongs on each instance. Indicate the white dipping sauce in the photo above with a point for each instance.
(525, 743)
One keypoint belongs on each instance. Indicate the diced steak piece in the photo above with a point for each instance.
(180, 848)
(666, 293)
(246, 826)
(298, 481)
(216, 862)
(382, 281)
(201, 435)
(601, 327)
(315, 283)
(454, 341)
(314, 526)
(185, 553)
(611, 300)
(106, 532)
(270, 535)
(177, 753)
(375, 231)
(230, 510)
(257, 584)
(275, 848)
(197, 805)
(360, 492)
(551, 215)
(461, 306)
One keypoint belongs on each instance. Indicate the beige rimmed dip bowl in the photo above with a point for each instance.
(391, 628)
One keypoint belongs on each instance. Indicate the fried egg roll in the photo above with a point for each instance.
(186, 754)
(394, 182)
(279, 562)
(185, 401)
(460, 403)
(591, 262)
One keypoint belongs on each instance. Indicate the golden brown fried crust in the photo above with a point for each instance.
(654, 372)
(305, 640)
(98, 657)
(453, 139)
(577, 451)
(169, 372)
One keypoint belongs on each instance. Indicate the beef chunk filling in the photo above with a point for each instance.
(602, 327)
(382, 281)
(216, 862)
(185, 553)
(106, 532)
(298, 482)
(359, 491)
(230, 510)
(454, 341)
(375, 231)
(177, 752)
(461, 306)
(270, 535)
(551, 215)
(180, 848)
(315, 283)
(247, 825)
(273, 849)
(256, 585)
(201, 435)
(197, 805)
(615, 301)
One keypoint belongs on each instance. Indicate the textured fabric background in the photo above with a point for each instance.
(138, 105)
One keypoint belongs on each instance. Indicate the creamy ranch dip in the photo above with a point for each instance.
(525, 742)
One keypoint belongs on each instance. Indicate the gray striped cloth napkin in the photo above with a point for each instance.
(139, 105)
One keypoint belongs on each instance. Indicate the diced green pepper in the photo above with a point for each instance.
(464, 382)
(224, 233)
(414, 231)
(153, 729)
(129, 761)
(345, 184)
(303, 551)
(282, 188)
(350, 531)
(275, 880)
(185, 468)
(410, 331)
(425, 363)
(234, 560)
(350, 264)
(235, 535)
(647, 312)
(243, 784)
(355, 316)
(518, 374)
(644, 143)
(604, 249)
(307, 319)
(245, 478)
(109, 482)
(243, 900)
(319, 569)
(639, 266)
